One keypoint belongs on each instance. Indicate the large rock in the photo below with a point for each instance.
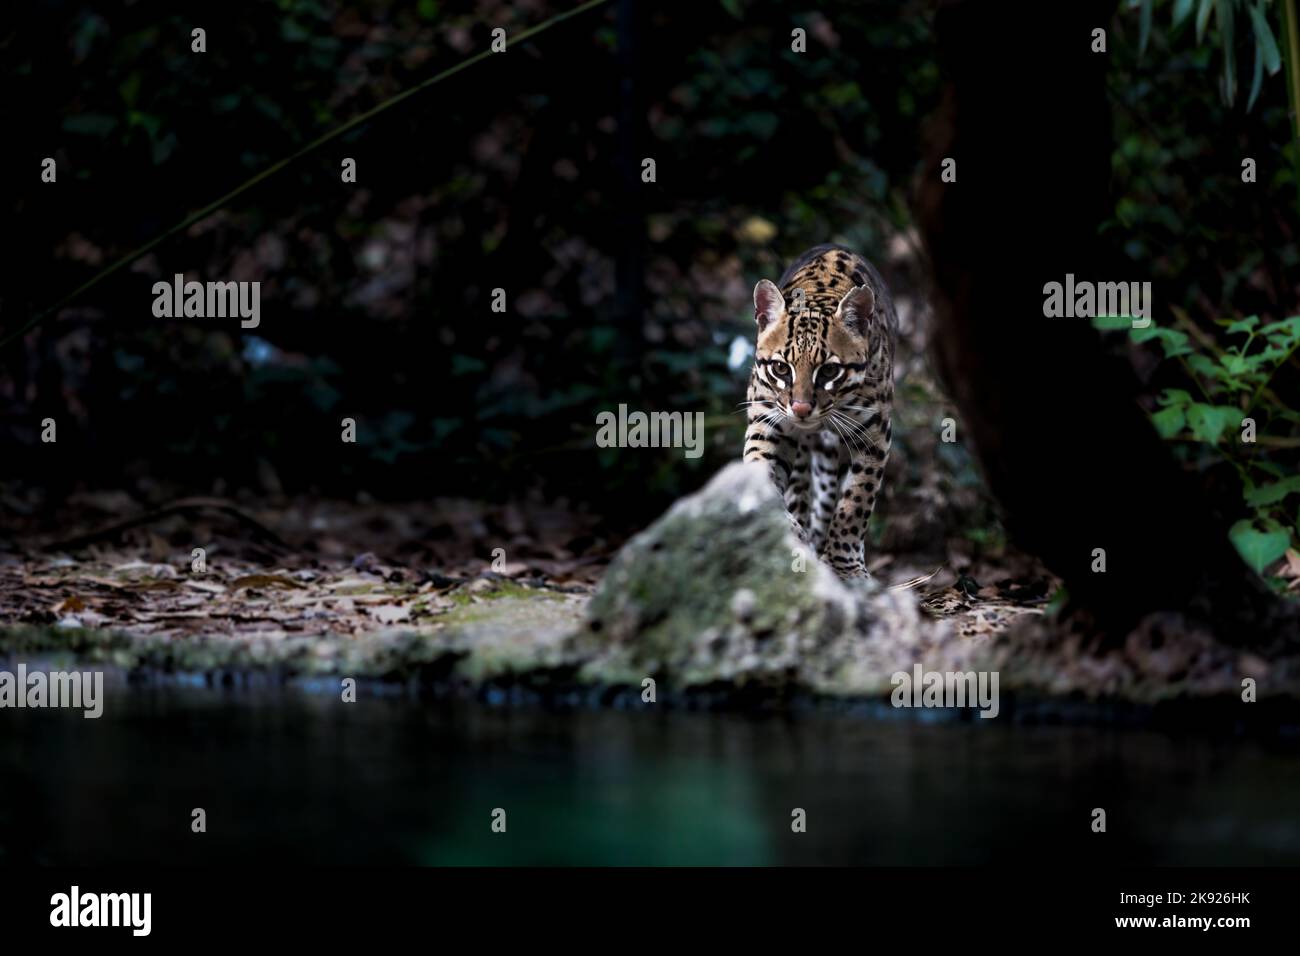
(719, 589)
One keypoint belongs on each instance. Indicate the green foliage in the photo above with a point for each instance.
(1260, 548)
(1233, 385)
(1235, 19)
(1211, 241)
(1230, 18)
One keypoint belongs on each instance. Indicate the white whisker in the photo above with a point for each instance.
(840, 431)
(857, 428)
(855, 431)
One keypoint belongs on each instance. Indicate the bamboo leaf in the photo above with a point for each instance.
(1256, 79)
(1265, 43)
(1203, 18)
(1223, 17)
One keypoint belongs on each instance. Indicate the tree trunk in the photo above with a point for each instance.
(1052, 416)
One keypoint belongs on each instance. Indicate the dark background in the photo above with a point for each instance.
(522, 173)
(376, 296)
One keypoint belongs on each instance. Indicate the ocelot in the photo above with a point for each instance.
(820, 396)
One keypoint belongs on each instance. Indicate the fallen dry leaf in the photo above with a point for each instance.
(264, 581)
(391, 613)
(210, 587)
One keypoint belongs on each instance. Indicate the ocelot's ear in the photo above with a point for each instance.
(857, 307)
(769, 306)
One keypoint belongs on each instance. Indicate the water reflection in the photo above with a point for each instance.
(290, 776)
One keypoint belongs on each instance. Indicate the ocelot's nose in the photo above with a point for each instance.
(801, 409)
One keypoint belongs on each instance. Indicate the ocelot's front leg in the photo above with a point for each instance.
(787, 462)
(798, 494)
(845, 547)
(826, 471)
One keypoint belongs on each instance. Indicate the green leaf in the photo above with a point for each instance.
(1182, 10)
(1265, 357)
(760, 126)
(130, 89)
(90, 124)
(1243, 325)
(466, 365)
(1144, 28)
(603, 338)
(1200, 363)
(1169, 421)
(1256, 80)
(1260, 548)
(1265, 44)
(1173, 342)
(1203, 18)
(1209, 422)
(150, 124)
(1175, 396)
(1273, 493)
(1234, 364)
(1223, 17)
(1109, 323)
(1283, 333)
(293, 31)
(1292, 323)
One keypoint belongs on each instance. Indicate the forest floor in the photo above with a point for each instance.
(328, 567)
(413, 593)
(343, 569)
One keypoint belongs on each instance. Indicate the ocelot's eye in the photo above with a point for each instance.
(780, 370)
(828, 373)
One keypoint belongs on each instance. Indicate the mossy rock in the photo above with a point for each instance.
(518, 632)
(720, 589)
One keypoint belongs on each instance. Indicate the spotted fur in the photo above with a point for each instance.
(826, 340)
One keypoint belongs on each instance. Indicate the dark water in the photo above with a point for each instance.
(295, 776)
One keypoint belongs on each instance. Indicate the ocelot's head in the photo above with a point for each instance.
(812, 351)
